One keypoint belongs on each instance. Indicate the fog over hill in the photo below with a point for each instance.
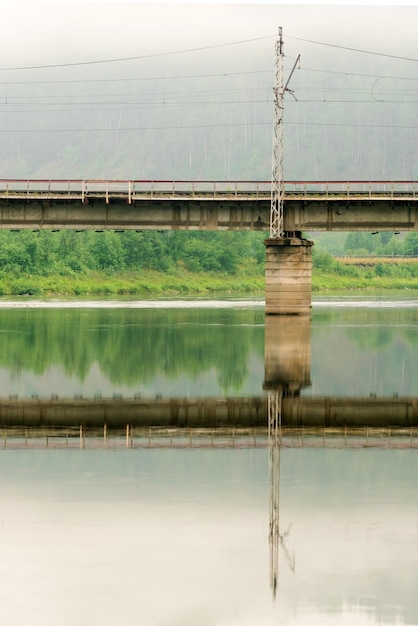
(178, 91)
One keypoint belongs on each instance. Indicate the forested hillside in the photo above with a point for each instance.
(207, 113)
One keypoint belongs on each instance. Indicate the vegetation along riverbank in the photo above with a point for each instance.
(148, 263)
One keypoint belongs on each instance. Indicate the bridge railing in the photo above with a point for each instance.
(140, 189)
(20, 187)
(132, 188)
(198, 188)
(352, 187)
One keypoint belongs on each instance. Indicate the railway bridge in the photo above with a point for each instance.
(219, 205)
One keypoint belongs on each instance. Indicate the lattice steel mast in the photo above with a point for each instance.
(277, 182)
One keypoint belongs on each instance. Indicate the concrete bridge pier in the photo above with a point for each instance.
(288, 276)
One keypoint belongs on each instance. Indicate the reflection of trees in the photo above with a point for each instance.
(411, 335)
(132, 345)
(371, 337)
(373, 328)
(363, 351)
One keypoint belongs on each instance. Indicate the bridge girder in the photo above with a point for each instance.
(301, 212)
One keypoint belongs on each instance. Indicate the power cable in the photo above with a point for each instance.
(136, 78)
(187, 127)
(350, 49)
(134, 58)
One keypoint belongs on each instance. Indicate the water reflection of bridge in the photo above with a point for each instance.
(297, 412)
(222, 420)
(208, 422)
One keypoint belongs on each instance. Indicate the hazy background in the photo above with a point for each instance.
(167, 90)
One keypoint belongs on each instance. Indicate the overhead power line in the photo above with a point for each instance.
(54, 106)
(126, 129)
(357, 74)
(117, 129)
(351, 49)
(163, 77)
(16, 105)
(198, 49)
(133, 58)
(168, 77)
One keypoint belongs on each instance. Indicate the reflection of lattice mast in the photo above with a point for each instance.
(277, 187)
(274, 424)
(275, 443)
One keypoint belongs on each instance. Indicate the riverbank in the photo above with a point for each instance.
(322, 281)
(142, 284)
(152, 283)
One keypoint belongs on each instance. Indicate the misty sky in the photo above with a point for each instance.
(78, 32)
(255, 2)
(68, 68)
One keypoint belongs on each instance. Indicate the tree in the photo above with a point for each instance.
(410, 245)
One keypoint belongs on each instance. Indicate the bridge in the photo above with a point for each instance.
(306, 421)
(207, 205)
(297, 411)
(220, 205)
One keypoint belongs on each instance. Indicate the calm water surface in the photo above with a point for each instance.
(181, 537)
(200, 349)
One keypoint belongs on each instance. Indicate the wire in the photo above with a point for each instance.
(340, 73)
(154, 94)
(344, 125)
(144, 105)
(136, 78)
(332, 45)
(345, 74)
(134, 58)
(131, 129)
(188, 127)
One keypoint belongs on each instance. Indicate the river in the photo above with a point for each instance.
(203, 348)
(179, 536)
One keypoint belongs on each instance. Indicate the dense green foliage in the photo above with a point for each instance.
(70, 253)
(147, 262)
(369, 243)
(385, 243)
(330, 273)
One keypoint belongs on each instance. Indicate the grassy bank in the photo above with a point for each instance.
(371, 274)
(333, 282)
(145, 283)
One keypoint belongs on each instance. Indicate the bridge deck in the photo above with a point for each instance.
(207, 205)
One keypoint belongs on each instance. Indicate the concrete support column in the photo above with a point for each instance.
(288, 276)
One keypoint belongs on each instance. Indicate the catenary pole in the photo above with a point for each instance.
(277, 181)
